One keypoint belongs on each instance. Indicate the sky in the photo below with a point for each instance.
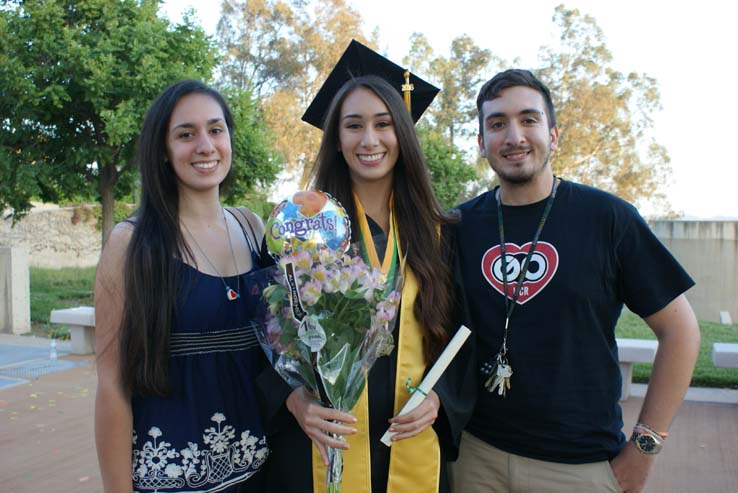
(688, 47)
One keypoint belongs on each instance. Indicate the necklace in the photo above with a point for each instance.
(500, 371)
(231, 294)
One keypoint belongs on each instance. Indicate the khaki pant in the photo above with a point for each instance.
(482, 468)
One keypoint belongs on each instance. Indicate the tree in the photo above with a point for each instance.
(604, 116)
(459, 76)
(257, 37)
(254, 161)
(77, 77)
(285, 49)
(452, 178)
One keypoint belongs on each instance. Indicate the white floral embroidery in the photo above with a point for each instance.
(156, 465)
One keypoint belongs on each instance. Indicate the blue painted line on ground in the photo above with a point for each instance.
(11, 382)
(21, 364)
(12, 354)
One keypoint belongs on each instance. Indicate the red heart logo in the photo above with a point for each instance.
(542, 267)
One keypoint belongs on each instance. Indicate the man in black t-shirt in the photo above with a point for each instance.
(547, 417)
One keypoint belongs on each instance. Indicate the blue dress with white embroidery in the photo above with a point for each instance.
(207, 436)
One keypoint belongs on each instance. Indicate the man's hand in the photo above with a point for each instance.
(632, 467)
(418, 419)
(319, 422)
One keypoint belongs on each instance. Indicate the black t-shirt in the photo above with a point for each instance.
(594, 254)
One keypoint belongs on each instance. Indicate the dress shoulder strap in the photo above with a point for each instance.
(250, 224)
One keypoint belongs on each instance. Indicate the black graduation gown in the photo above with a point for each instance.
(289, 467)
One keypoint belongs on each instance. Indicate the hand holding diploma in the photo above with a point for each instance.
(432, 403)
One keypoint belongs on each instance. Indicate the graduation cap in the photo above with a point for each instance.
(360, 60)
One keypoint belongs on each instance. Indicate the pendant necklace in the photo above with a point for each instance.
(498, 370)
(231, 294)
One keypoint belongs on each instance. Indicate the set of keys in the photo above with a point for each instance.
(499, 377)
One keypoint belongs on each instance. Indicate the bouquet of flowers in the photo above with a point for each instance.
(330, 316)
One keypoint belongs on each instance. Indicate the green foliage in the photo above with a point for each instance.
(604, 116)
(459, 75)
(57, 288)
(259, 202)
(452, 177)
(254, 162)
(77, 77)
(282, 50)
(705, 374)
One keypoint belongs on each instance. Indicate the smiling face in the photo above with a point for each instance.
(367, 138)
(198, 143)
(516, 139)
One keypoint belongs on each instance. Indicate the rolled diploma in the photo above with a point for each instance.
(432, 377)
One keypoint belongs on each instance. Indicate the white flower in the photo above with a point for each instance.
(248, 441)
(173, 471)
(218, 418)
(262, 453)
(154, 432)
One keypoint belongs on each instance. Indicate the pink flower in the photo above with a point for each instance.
(310, 292)
(326, 256)
(319, 273)
(332, 281)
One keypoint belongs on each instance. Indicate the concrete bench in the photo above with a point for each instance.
(632, 351)
(81, 322)
(725, 355)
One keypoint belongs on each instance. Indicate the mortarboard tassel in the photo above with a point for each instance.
(407, 88)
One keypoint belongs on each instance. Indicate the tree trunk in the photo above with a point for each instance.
(307, 169)
(108, 177)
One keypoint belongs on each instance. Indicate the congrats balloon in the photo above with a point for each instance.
(308, 220)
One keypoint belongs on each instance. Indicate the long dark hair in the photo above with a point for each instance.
(417, 211)
(150, 280)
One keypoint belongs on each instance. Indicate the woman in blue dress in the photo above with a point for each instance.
(175, 407)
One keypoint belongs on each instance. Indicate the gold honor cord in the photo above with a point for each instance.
(415, 463)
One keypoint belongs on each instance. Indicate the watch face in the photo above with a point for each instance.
(646, 443)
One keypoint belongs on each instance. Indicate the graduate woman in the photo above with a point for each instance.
(370, 160)
(175, 407)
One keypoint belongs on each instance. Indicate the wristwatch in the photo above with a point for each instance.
(647, 440)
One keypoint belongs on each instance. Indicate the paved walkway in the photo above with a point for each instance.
(47, 444)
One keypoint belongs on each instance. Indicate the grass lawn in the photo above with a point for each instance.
(58, 288)
(630, 325)
(52, 288)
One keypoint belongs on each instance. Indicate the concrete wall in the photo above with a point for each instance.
(56, 237)
(708, 250)
(68, 237)
(15, 307)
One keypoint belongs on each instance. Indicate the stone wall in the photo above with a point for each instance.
(708, 250)
(56, 237)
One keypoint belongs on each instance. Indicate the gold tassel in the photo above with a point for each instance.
(407, 88)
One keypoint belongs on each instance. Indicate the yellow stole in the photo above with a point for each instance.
(415, 463)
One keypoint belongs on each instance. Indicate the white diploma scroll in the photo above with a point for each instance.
(432, 377)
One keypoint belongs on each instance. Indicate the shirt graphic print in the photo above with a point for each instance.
(543, 265)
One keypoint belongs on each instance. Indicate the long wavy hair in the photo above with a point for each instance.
(417, 211)
(151, 284)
